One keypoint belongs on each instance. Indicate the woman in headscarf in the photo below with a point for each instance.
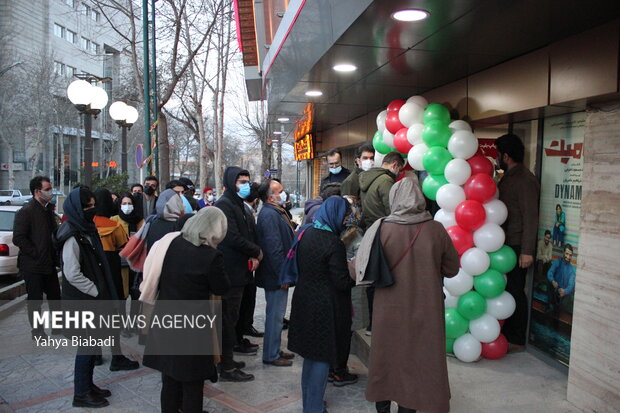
(85, 276)
(185, 265)
(321, 308)
(169, 209)
(408, 352)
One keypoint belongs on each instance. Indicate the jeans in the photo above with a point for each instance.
(83, 372)
(313, 383)
(185, 396)
(36, 285)
(516, 325)
(231, 302)
(274, 320)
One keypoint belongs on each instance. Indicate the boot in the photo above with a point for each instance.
(384, 406)
(402, 409)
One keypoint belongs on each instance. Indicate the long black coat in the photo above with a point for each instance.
(321, 307)
(32, 233)
(188, 273)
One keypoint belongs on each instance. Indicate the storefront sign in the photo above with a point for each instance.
(303, 126)
(304, 149)
(558, 235)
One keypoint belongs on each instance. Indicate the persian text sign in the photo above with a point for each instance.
(304, 149)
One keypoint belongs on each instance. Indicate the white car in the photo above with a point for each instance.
(8, 251)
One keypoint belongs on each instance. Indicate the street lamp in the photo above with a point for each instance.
(125, 116)
(89, 100)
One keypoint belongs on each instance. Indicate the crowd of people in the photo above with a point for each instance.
(368, 254)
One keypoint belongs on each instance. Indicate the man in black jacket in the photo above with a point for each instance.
(241, 256)
(337, 173)
(37, 259)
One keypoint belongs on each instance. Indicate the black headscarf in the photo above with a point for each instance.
(105, 204)
(136, 215)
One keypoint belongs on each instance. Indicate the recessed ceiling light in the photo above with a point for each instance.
(345, 67)
(277, 132)
(410, 15)
(283, 119)
(314, 93)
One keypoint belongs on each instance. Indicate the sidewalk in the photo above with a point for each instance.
(44, 383)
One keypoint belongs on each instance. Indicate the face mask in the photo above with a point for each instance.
(89, 214)
(148, 190)
(244, 191)
(210, 198)
(46, 196)
(367, 164)
(335, 171)
(283, 198)
(127, 209)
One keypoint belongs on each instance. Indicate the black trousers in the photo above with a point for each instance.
(515, 326)
(36, 285)
(185, 396)
(342, 356)
(231, 303)
(246, 311)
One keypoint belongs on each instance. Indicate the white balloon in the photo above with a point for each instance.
(459, 284)
(449, 196)
(450, 301)
(459, 125)
(446, 218)
(410, 113)
(463, 144)
(467, 348)
(418, 100)
(388, 138)
(414, 133)
(502, 306)
(475, 261)
(484, 329)
(495, 209)
(489, 237)
(381, 120)
(415, 156)
(379, 158)
(457, 171)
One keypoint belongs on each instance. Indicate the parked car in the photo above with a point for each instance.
(8, 250)
(13, 197)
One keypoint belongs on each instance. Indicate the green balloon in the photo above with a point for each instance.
(436, 112)
(456, 325)
(436, 133)
(431, 185)
(490, 283)
(379, 145)
(435, 160)
(471, 305)
(503, 260)
(450, 345)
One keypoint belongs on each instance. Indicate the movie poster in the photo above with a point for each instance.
(558, 235)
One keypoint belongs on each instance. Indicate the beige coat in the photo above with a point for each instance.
(408, 351)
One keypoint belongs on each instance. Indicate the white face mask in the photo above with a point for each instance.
(210, 198)
(367, 164)
(283, 198)
(127, 209)
(46, 196)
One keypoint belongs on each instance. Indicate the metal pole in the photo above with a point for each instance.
(88, 149)
(147, 87)
(124, 149)
(154, 84)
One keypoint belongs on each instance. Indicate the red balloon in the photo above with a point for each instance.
(495, 349)
(501, 322)
(392, 123)
(470, 215)
(395, 105)
(401, 143)
(480, 164)
(480, 187)
(407, 167)
(462, 239)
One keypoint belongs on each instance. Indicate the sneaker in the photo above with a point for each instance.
(252, 332)
(247, 343)
(279, 362)
(89, 400)
(344, 378)
(236, 375)
(244, 351)
(123, 363)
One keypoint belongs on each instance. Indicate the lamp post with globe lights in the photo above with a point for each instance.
(125, 116)
(89, 100)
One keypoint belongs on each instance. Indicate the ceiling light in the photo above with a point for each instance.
(345, 67)
(410, 15)
(283, 119)
(314, 93)
(277, 133)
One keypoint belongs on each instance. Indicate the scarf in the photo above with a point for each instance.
(169, 205)
(207, 227)
(152, 268)
(407, 206)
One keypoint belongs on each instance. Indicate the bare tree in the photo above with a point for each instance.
(253, 123)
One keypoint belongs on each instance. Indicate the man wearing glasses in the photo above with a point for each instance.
(337, 173)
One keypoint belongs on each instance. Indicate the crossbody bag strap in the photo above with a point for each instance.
(408, 247)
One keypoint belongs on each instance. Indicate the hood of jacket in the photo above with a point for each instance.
(368, 177)
(230, 180)
(311, 203)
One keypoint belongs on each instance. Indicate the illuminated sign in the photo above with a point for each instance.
(303, 126)
(304, 149)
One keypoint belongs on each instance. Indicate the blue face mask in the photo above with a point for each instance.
(244, 191)
(335, 171)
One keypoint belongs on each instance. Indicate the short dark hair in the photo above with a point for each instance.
(568, 247)
(37, 183)
(85, 196)
(365, 147)
(136, 184)
(512, 145)
(264, 189)
(334, 151)
(331, 189)
(547, 232)
(393, 157)
(175, 182)
(152, 178)
(254, 192)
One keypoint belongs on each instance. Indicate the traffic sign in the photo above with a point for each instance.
(139, 156)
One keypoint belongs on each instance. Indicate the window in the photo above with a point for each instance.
(85, 44)
(94, 47)
(71, 36)
(59, 31)
(59, 68)
(70, 3)
(94, 15)
(85, 9)
(71, 71)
